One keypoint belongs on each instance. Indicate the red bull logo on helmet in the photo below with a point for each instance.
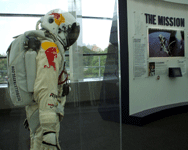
(58, 18)
(51, 51)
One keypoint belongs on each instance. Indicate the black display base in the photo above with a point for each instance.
(111, 113)
(157, 113)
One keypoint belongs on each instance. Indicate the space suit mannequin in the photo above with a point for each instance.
(44, 116)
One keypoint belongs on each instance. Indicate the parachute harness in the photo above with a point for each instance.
(60, 76)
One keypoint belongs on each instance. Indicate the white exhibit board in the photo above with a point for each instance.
(157, 40)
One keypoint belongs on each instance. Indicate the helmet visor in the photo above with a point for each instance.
(73, 34)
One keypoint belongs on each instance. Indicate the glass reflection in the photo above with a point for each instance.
(92, 118)
(98, 101)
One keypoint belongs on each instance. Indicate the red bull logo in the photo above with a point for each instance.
(51, 51)
(56, 15)
(58, 18)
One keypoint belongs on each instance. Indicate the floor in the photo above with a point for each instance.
(83, 129)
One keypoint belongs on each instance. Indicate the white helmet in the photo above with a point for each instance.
(62, 25)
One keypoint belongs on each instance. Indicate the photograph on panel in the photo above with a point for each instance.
(152, 69)
(166, 43)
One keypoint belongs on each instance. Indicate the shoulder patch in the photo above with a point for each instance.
(47, 45)
(51, 51)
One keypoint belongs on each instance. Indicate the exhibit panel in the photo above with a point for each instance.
(157, 47)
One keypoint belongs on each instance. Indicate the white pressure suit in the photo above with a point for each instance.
(45, 115)
(60, 31)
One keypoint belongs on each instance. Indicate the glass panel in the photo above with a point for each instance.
(92, 109)
(97, 102)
